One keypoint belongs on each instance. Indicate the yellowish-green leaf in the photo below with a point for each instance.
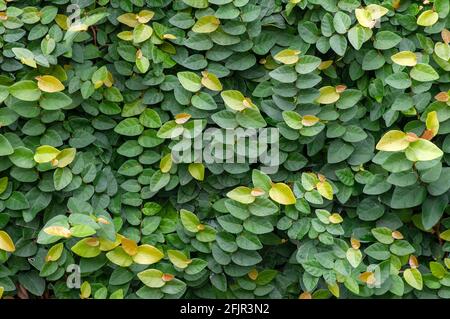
(197, 171)
(422, 150)
(129, 19)
(147, 255)
(190, 221)
(210, 81)
(445, 235)
(364, 18)
(178, 258)
(45, 154)
(233, 99)
(354, 257)
(432, 122)
(334, 289)
(393, 141)
(50, 84)
(1, 291)
(287, 56)
(55, 252)
(427, 18)
(65, 157)
(282, 194)
(85, 290)
(206, 24)
(152, 278)
(414, 278)
(328, 95)
(325, 189)
(405, 58)
(125, 35)
(6, 242)
(376, 11)
(166, 163)
(141, 33)
(3, 184)
(119, 257)
(87, 248)
(241, 194)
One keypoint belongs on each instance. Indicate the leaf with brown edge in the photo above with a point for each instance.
(442, 97)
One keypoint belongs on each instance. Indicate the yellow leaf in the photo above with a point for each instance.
(287, 56)
(85, 290)
(6, 242)
(197, 171)
(376, 11)
(129, 246)
(282, 194)
(147, 255)
(129, 19)
(325, 189)
(364, 18)
(335, 218)
(405, 58)
(1, 291)
(50, 84)
(145, 16)
(77, 27)
(206, 24)
(432, 122)
(334, 289)
(325, 65)
(328, 95)
(65, 157)
(211, 81)
(368, 277)
(393, 141)
(253, 274)
(428, 18)
(309, 120)
(125, 35)
(182, 118)
(107, 245)
(62, 21)
(58, 231)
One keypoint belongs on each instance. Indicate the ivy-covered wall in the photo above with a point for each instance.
(100, 196)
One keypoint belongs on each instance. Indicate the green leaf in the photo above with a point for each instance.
(25, 90)
(424, 73)
(190, 81)
(422, 150)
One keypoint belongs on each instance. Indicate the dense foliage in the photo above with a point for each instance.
(92, 97)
